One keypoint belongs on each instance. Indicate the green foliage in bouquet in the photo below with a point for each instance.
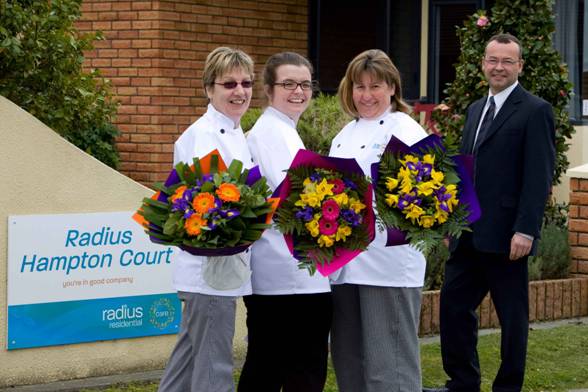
(417, 194)
(41, 59)
(544, 74)
(317, 126)
(216, 209)
(324, 212)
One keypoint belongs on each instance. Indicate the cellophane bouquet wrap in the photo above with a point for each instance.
(208, 209)
(424, 193)
(325, 211)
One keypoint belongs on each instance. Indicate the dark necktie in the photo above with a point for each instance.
(486, 122)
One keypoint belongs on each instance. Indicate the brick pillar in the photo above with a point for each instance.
(578, 219)
(154, 53)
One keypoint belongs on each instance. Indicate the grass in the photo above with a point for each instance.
(557, 360)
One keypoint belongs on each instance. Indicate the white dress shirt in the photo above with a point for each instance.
(273, 142)
(212, 131)
(395, 266)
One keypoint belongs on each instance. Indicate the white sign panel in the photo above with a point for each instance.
(85, 277)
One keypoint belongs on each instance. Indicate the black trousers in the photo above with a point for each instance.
(469, 276)
(287, 343)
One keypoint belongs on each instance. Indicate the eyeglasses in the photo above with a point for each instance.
(233, 85)
(506, 62)
(292, 85)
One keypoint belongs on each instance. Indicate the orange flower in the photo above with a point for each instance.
(178, 193)
(194, 224)
(203, 202)
(228, 192)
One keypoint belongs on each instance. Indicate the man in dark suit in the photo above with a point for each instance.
(511, 134)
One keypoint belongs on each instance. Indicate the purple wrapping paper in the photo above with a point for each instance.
(464, 169)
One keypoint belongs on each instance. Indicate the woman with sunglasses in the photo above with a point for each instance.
(376, 297)
(202, 360)
(289, 313)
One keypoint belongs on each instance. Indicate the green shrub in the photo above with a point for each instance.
(544, 74)
(553, 255)
(41, 58)
(317, 126)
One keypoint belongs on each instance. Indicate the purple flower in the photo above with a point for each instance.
(443, 205)
(182, 205)
(351, 217)
(315, 177)
(305, 214)
(350, 184)
(229, 214)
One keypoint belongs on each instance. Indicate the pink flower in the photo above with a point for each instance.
(327, 227)
(339, 185)
(482, 21)
(330, 210)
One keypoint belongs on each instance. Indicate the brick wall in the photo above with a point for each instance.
(154, 53)
(578, 225)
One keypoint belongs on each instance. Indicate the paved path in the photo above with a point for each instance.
(155, 375)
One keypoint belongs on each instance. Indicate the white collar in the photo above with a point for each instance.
(221, 119)
(502, 96)
(270, 110)
(386, 113)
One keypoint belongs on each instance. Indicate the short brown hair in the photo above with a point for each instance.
(506, 38)
(381, 68)
(223, 60)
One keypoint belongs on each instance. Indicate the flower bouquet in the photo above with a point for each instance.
(208, 209)
(325, 211)
(424, 193)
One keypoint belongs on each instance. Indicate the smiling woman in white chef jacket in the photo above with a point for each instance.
(377, 296)
(289, 313)
(202, 360)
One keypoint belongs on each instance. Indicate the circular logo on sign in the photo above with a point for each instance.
(161, 313)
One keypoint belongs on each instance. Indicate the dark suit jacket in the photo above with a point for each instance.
(513, 169)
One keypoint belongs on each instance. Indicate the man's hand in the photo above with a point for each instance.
(520, 246)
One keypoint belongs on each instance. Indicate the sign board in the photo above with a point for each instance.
(86, 277)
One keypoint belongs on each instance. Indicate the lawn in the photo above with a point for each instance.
(557, 360)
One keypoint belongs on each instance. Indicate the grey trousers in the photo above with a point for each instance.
(202, 360)
(374, 338)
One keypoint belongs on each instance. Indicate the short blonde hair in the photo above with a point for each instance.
(380, 67)
(223, 60)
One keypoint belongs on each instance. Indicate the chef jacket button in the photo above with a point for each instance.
(363, 146)
(338, 145)
(381, 122)
(251, 160)
(222, 131)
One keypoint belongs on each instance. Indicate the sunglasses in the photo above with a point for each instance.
(233, 85)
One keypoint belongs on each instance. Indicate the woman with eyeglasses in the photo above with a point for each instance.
(289, 313)
(202, 360)
(377, 296)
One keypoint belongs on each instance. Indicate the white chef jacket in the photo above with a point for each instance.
(212, 131)
(273, 142)
(396, 266)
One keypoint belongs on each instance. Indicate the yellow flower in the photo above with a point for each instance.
(409, 158)
(414, 212)
(342, 233)
(391, 183)
(391, 199)
(313, 227)
(342, 199)
(426, 221)
(311, 199)
(428, 158)
(356, 205)
(441, 216)
(437, 176)
(425, 188)
(309, 186)
(326, 241)
(324, 189)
